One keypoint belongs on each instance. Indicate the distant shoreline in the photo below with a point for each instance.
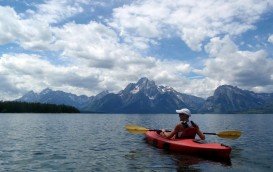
(24, 107)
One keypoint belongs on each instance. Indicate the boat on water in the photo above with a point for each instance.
(189, 146)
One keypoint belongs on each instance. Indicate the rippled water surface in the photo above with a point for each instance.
(98, 142)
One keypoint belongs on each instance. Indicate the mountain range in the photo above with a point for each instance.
(230, 99)
(146, 97)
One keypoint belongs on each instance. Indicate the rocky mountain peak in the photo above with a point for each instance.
(227, 87)
(146, 86)
(30, 96)
(30, 93)
(230, 99)
(229, 91)
(102, 94)
(164, 89)
(145, 83)
(46, 91)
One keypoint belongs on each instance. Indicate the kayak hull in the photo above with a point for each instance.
(189, 146)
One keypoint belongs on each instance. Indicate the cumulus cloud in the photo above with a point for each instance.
(99, 47)
(52, 11)
(192, 21)
(26, 72)
(7, 89)
(32, 30)
(8, 24)
(29, 33)
(95, 58)
(94, 42)
(270, 39)
(232, 66)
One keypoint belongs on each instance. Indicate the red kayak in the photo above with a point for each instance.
(189, 146)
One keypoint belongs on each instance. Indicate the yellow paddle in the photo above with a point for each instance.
(135, 129)
(232, 134)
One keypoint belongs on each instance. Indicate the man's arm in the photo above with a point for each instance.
(170, 135)
(200, 134)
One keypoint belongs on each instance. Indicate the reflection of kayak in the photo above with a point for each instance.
(189, 146)
(184, 160)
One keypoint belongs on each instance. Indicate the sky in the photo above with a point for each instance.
(87, 46)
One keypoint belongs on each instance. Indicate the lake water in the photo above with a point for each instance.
(98, 142)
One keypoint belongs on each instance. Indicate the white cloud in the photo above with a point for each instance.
(242, 68)
(99, 47)
(52, 11)
(270, 39)
(193, 21)
(94, 42)
(8, 24)
(29, 33)
(32, 30)
(95, 58)
(203, 87)
(24, 72)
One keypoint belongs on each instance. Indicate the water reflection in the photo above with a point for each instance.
(188, 160)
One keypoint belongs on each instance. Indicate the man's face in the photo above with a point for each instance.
(183, 117)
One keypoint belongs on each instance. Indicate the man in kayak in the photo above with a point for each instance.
(185, 129)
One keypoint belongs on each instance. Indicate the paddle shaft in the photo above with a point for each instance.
(210, 133)
(170, 131)
(159, 130)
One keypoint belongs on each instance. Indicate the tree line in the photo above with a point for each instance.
(25, 107)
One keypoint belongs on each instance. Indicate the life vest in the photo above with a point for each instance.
(189, 131)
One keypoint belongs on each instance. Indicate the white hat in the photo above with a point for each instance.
(184, 111)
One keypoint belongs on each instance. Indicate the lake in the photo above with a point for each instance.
(98, 142)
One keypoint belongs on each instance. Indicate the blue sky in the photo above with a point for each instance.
(88, 46)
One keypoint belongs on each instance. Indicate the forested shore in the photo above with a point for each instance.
(24, 107)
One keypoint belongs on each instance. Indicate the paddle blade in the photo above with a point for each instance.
(135, 129)
(234, 134)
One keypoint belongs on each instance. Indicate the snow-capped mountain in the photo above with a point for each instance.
(141, 97)
(146, 97)
(230, 99)
(56, 97)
